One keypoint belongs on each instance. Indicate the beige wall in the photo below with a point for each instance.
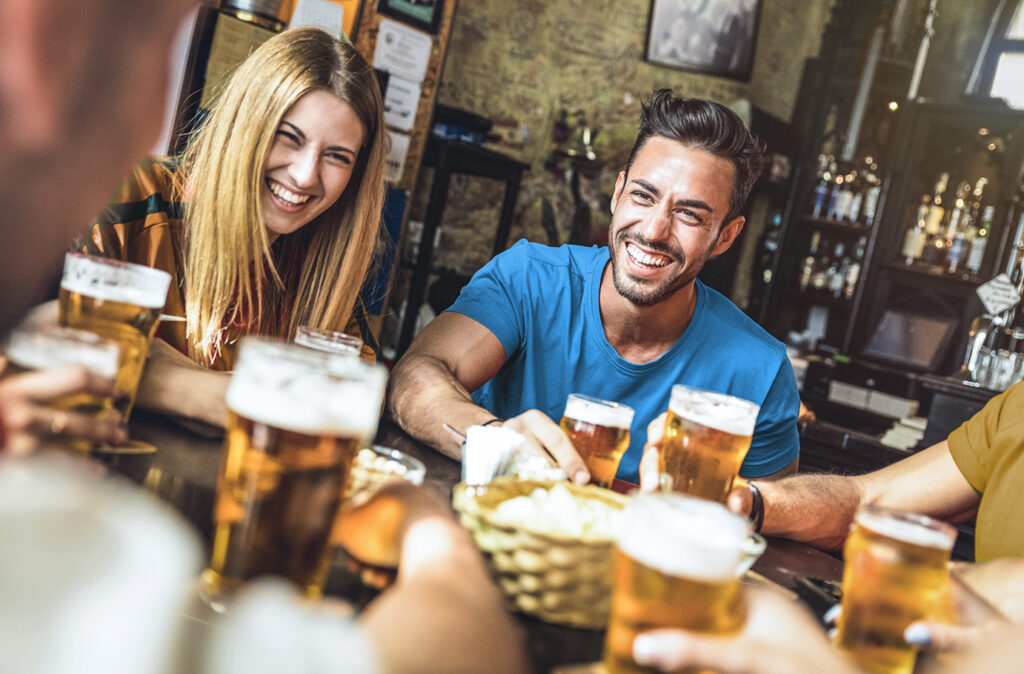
(523, 62)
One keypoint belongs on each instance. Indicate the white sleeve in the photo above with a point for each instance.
(269, 629)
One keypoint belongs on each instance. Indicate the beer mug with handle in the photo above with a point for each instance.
(119, 301)
(707, 436)
(895, 573)
(296, 418)
(678, 563)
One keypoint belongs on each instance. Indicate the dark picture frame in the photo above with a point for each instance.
(422, 14)
(712, 37)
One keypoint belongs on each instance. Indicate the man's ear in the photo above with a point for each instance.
(620, 182)
(31, 75)
(728, 234)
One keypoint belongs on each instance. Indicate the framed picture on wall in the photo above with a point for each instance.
(424, 14)
(714, 37)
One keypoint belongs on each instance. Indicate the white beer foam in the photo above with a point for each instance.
(612, 415)
(115, 281)
(903, 530)
(725, 413)
(63, 347)
(308, 392)
(682, 536)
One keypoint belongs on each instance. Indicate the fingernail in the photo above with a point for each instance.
(644, 649)
(917, 635)
(833, 613)
(581, 477)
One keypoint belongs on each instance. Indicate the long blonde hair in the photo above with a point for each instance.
(230, 276)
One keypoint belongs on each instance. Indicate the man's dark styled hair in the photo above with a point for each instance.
(704, 125)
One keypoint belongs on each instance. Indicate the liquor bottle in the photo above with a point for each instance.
(977, 252)
(915, 238)
(819, 280)
(821, 189)
(850, 282)
(956, 250)
(845, 198)
(961, 204)
(807, 269)
(833, 193)
(860, 249)
(871, 195)
(933, 224)
(836, 273)
(857, 204)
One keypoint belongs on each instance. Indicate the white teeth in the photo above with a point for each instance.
(287, 195)
(643, 258)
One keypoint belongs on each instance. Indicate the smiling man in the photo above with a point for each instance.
(622, 323)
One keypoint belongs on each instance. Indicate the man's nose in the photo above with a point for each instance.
(657, 226)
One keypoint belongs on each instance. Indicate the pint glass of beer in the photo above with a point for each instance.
(678, 563)
(296, 419)
(49, 347)
(119, 301)
(894, 574)
(599, 430)
(707, 436)
(328, 340)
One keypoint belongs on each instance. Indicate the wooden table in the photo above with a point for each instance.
(183, 472)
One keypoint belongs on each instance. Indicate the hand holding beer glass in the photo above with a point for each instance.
(707, 436)
(118, 301)
(86, 412)
(678, 564)
(895, 573)
(296, 419)
(599, 430)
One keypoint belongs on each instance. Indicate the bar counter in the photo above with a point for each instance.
(183, 472)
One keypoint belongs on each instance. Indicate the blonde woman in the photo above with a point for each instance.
(268, 222)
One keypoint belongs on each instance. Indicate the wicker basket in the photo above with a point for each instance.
(556, 578)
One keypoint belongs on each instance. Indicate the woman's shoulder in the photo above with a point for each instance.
(151, 176)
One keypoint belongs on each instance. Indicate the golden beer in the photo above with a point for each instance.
(599, 430)
(895, 573)
(707, 436)
(328, 340)
(41, 348)
(119, 301)
(297, 418)
(677, 564)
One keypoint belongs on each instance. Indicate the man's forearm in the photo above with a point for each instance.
(423, 395)
(815, 509)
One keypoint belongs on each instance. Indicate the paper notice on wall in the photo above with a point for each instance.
(396, 158)
(402, 51)
(400, 103)
(998, 295)
(320, 13)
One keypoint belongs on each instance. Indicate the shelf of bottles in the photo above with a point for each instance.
(950, 232)
(841, 217)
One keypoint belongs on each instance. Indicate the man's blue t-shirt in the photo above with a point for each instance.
(542, 305)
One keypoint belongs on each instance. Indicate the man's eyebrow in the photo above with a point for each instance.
(688, 203)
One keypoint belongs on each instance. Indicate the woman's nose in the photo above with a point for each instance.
(304, 168)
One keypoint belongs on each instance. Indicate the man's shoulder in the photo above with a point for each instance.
(721, 312)
(536, 258)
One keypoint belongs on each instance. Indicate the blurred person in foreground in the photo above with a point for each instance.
(624, 322)
(978, 469)
(95, 574)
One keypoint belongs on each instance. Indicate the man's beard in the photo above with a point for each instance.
(644, 295)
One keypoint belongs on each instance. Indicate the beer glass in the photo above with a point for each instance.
(707, 436)
(328, 340)
(119, 301)
(599, 430)
(296, 419)
(48, 347)
(678, 562)
(895, 573)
